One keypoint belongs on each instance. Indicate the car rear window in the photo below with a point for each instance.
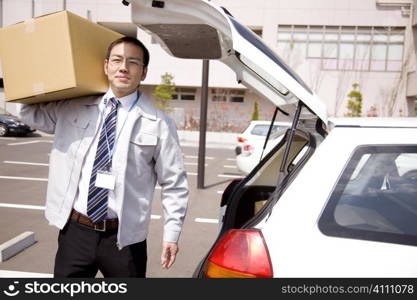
(376, 196)
(262, 130)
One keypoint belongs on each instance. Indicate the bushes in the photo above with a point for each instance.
(354, 104)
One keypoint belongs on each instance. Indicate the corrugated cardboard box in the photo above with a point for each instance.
(54, 57)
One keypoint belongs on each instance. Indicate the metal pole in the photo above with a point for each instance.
(1, 13)
(64, 5)
(203, 126)
(33, 8)
(1, 25)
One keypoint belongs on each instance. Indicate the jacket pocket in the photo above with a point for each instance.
(69, 133)
(144, 139)
(143, 147)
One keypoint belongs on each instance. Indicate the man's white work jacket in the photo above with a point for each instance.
(151, 154)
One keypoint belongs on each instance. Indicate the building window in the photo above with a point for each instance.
(236, 99)
(184, 94)
(257, 30)
(228, 95)
(219, 98)
(357, 48)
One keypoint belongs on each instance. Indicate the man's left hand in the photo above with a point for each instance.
(169, 253)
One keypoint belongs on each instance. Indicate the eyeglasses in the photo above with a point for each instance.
(117, 61)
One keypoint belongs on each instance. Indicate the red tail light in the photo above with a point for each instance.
(241, 139)
(248, 148)
(240, 253)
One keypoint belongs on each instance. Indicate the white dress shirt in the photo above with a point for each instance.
(80, 203)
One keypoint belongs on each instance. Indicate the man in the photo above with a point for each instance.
(108, 153)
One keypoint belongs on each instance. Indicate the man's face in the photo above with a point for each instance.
(124, 69)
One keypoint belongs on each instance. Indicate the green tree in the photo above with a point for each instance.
(354, 104)
(164, 91)
(255, 114)
(415, 108)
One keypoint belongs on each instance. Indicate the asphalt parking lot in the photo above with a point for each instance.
(23, 181)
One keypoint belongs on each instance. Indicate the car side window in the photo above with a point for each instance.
(403, 163)
(262, 130)
(375, 198)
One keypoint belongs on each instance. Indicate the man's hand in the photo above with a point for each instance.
(169, 252)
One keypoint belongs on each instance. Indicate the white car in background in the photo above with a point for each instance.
(252, 143)
(257, 131)
(334, 198)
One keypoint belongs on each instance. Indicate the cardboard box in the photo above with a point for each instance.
(53, 57)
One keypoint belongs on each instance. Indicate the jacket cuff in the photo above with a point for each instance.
(171, 236)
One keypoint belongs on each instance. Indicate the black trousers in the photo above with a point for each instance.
(82, 251)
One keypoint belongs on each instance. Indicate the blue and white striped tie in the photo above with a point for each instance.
(97, 202)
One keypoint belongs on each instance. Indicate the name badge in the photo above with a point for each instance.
(105, 180)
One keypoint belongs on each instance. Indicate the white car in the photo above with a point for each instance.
(257, 132)
(335, 198)
(253, 148)
(346, 208)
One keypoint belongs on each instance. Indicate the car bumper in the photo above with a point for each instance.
(20, 130)
(244, 163)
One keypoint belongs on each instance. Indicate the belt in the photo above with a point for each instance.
(108, 224)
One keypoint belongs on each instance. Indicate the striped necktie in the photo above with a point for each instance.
(98, 197)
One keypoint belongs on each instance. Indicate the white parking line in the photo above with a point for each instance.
(203, 220)
(18, 274)
(25, 163)
(193, 156)
(231, 159)
(229, 176)
(194, 164)
(220, 192)
(155, 217)
(229, 166)
(191, 174)
(24, 143)
(10, 205)
(23, 178)
(7, 138)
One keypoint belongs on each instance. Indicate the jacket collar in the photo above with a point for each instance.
(144, 107)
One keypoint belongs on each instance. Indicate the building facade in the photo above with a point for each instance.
(366, 46)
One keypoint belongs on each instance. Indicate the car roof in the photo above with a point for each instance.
(262, 122)
(373, 122)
